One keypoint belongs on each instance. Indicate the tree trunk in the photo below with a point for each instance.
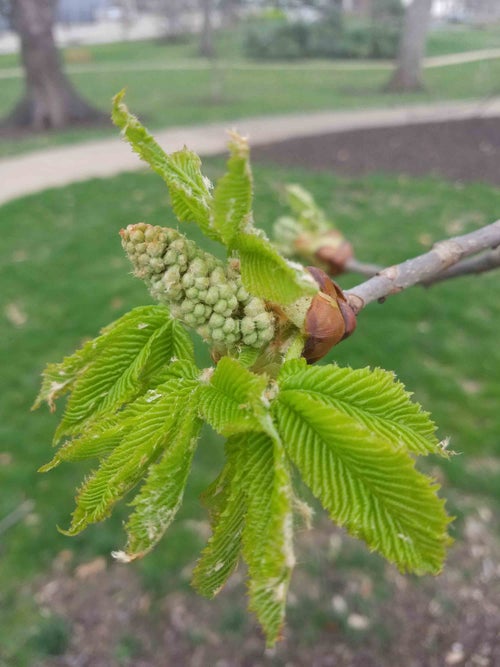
(50, 101)
(408, 74)
(207, 49)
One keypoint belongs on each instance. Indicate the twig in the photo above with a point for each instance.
(424, 268)
(486, 261)
(353, 265)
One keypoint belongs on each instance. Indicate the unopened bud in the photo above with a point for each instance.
(329, 319)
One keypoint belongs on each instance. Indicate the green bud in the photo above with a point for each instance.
(220, 306)
(247, 326)
(216, 321)
(250, 339)
(218, 335)
(212, 295)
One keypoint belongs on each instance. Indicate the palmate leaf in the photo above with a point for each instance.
(266, 274)
(226, 502)
(268, 531)
(232, 202)
(372, 397)
(364, 482)
(190, 191)
(148, 427)
(129, 357)
(232, 400)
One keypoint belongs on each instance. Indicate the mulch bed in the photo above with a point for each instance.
(466, 150)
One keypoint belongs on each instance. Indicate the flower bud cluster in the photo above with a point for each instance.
(200, 290)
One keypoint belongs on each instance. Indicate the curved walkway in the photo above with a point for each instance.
(56, 167)
(202, 64)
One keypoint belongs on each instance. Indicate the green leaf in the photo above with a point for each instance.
(232, 401)
(97, 441)
(161, 495)
(266, 274)
(189, 189)
(128, 358)
(149, 425)
(364, 482)
(372, 397)
(232, 203)
(59, 378)
(226, 502)
(268, 531)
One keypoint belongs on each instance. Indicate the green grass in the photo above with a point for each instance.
(64, 276)
(461, 38)
(441, 41)
(186, 96)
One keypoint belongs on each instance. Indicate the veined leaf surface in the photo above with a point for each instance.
(160, 497)
(268, 531)
(232, 202)
(374, 398)
(150, 427)
(190, 191)
(126, 360)
(226, 501)
(266, 274)
(232, 401)
(364, 482)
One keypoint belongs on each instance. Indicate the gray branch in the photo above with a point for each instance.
(438, 264)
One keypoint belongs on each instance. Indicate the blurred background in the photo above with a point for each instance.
(389, 113)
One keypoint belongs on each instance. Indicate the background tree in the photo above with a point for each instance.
(50, 101)
(408, 74)
(207, 49)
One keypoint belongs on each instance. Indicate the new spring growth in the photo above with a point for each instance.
(309, 236)
(207, 295)
(199, 290)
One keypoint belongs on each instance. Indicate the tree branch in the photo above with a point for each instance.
(433, 266)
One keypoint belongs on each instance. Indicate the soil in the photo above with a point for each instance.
(347, 608)
(466, 150)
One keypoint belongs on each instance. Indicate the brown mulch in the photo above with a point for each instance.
(346, 609)
(466, 150)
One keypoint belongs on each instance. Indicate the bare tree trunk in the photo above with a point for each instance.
(408, 74)
(50, 101)
(207, 49)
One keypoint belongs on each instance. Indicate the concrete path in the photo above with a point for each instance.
(197, 64)
(56, 167)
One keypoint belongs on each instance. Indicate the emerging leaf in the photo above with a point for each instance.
(232, 401)
(189, 189)
(267, 275)
(364, 482)
(268, 532)
(129, 357)
(232, 203)
(161, 495)
(227, 504)
(372, 397)
(149, 425)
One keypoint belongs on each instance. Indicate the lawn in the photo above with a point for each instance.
(64, 276)
(195, 92)
(442, 40)
(177, 97)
